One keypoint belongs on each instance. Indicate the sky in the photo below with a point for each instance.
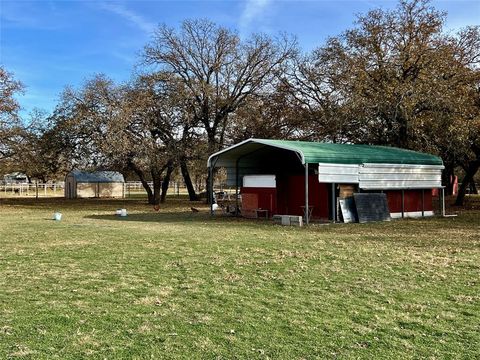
(48, 45)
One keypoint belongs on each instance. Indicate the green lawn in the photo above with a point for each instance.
(177, 284)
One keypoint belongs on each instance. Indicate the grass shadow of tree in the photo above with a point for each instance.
(180, 217)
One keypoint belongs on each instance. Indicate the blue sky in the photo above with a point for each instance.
(51, 44)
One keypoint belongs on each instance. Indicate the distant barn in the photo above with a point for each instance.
(99, 184)
(15, 178)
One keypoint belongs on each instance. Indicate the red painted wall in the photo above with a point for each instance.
(413, 200)
(266, 199)
(291, 196)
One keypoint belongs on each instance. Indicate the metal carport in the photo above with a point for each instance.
(260, 156)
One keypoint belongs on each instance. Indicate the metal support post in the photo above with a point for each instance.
(307, 220)
(334, 204)
(210, 190)
(443, 201)
(403, 203)
(423, 202)
(236, 185)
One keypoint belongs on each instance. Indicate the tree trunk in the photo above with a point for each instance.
(207, 188)
(157, 186)
(166, 181)
(403, 135)
(448, 178)
(145, 185)
(473, 187)
(188, 181)
(211, 149)
(470, 172)
(141, 176)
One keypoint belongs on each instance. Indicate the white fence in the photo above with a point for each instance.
(135, 188)
(29, 190)
(131, 189)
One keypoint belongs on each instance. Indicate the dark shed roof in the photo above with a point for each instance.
(97, 176)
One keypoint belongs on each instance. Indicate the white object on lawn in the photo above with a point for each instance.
(289, 220)
(215, 207)
(118, 212)
(57, 216)
(123, 212)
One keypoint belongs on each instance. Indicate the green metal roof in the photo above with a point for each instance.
(317, 152)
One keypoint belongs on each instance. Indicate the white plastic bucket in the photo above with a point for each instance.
(123, 212)
(57, 216)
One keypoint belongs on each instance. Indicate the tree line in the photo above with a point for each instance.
(395, 78)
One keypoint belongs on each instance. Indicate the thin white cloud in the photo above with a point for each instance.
(125, 57)
(132, 17)
(22, 15)
(252, 11)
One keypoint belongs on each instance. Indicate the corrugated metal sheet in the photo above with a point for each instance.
(317, 152)
(338, 173)
(412, 200)
(395, 176)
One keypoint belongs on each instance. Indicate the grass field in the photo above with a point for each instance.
(177, 284)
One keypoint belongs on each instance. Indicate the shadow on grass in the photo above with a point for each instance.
(98, 203)
(181, 217)
(69, 203)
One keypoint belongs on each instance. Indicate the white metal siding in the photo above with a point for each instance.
(338, 173)
(261, 181)
(397, 176)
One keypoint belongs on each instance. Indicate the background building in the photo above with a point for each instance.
(105, 184)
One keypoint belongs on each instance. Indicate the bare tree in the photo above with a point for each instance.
(44, 154)
(219, 71)
(317, 83)
(274, 115)
(153, 130)
(10, 127)
(396, 79)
